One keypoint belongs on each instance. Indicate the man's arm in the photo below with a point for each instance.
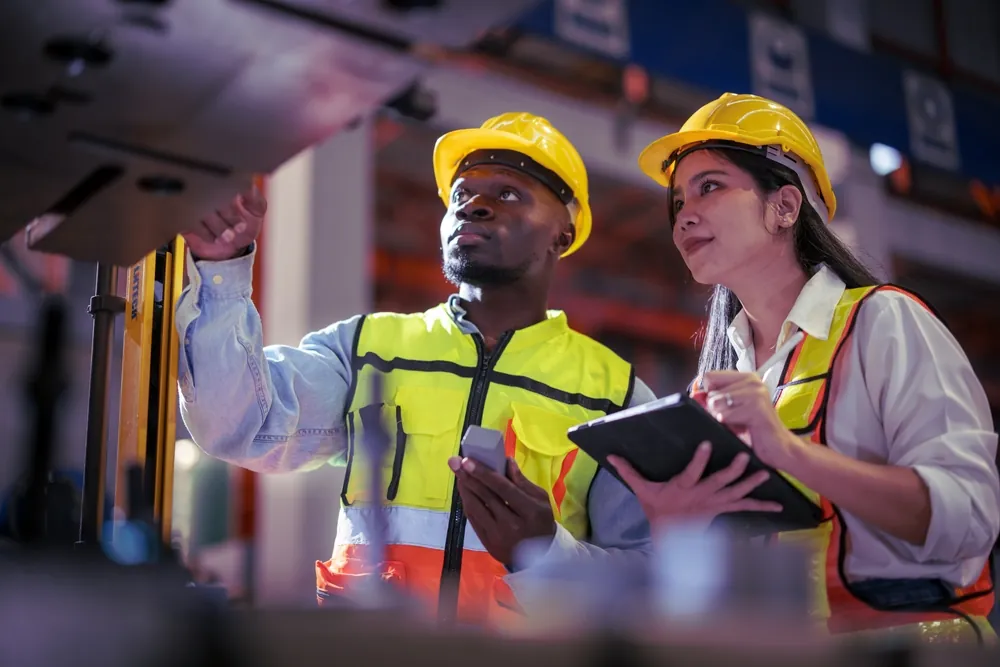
(270, 409)
(620, 532)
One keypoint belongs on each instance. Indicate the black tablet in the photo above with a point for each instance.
(659, 439)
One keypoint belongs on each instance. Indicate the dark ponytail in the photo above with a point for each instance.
(814, 244)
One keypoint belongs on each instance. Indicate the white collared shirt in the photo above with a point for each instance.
(905, 394)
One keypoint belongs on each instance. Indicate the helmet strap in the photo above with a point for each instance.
(518, 162)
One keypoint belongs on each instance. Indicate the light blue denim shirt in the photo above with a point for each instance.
(280, 408)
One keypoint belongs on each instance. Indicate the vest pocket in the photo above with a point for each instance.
(423, 426)
(432, 421)
(357, 476)
(337, 581)
(543, 452)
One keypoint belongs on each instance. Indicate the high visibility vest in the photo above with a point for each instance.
(436, 382)
(802, 403)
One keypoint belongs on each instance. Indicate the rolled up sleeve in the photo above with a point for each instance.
(938, 422)
(278, 408)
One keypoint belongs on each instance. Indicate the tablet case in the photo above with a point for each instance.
(659, 439)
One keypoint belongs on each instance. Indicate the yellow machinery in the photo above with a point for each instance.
(147, 422)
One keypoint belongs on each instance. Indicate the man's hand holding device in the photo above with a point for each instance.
(503, 507)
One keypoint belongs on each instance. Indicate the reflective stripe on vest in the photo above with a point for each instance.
(535, 385)
(802, 403)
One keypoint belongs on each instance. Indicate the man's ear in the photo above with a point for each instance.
(565, 239)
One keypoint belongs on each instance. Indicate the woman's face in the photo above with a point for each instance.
(724, 227)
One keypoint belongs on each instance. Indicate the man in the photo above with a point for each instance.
(516, 192)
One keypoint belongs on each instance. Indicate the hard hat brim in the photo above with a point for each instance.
(651, 159)
(452, 147)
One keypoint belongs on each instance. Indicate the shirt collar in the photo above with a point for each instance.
(554, 324)
(812, 313)
(458, 313)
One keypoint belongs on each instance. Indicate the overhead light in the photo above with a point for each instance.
(884, 159)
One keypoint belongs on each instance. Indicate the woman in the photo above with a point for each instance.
(876, 414)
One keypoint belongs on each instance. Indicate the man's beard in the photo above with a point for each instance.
(460, 269)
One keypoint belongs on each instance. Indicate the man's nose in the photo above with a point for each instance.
(474, 209)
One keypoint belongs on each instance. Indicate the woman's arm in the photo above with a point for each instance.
(938, 490)
(893, 499)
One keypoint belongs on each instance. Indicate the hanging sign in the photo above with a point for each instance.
(597, 25)
(779, 58)
(930, 116)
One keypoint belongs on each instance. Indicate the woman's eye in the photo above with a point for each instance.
(708, 186)
(509, 195)
(678, 205)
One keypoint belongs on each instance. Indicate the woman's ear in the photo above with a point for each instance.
(787, 202)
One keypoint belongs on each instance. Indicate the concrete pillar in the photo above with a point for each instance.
(316, 257)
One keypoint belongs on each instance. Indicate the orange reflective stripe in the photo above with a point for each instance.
(915, 297)
(817, 406)
(509, 440)
(417, 570)
(790, 364)
(844, 611)
(482, 577)
(559, 488)
(984, 583)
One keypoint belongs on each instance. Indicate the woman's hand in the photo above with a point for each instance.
(743, 403)
(688, 496)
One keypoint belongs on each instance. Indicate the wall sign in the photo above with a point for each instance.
(930, 116)
(779, 60)
(598, 25)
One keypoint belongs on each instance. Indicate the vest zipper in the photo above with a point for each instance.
(455, 538)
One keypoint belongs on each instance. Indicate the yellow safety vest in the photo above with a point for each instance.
(802, 403)
(437, 381)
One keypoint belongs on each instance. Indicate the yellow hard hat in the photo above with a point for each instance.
(508, 138)
(752, 121)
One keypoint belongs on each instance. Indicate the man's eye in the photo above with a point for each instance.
(458, 195)
(509, 195)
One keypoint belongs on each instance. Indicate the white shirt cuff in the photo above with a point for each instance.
(950, 512)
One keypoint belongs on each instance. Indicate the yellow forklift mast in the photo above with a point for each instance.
(147, 421)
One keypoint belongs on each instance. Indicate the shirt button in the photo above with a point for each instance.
(217, 279)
